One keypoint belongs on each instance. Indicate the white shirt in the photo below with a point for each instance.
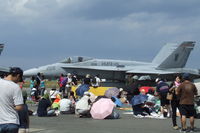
(98, 81)
(65, 104)
(69, 82)
(83, 103)
(151, 98)
(10, 96)
(53, 93)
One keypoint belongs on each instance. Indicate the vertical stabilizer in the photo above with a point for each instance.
(174, 55)
(1, 48)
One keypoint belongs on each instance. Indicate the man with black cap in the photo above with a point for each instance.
(11, 101)
(187, 91)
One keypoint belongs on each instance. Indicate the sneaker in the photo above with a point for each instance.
(183, 131)
(191, 130)
(138, 116)
(57, 112)
(161, 117)
(175, 127)
(168, 115)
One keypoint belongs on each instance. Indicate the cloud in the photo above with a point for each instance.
(121, 29)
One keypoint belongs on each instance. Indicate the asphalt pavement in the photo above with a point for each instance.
(126, 124)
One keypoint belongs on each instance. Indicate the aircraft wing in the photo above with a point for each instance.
(143, 71)
(165, 71)
(138, 70)
(4, 69)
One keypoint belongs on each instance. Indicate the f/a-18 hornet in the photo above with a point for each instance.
(169, 61)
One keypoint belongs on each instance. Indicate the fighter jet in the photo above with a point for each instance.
(3, 69)
(169, 61)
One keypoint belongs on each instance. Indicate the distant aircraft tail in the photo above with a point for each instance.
(174, 55)
(1, 48)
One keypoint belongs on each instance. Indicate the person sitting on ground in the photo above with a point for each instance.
(44, 104)
(117, 101)
(138, 104)
(72, 97)
(114, 114)
(123, 96)
(55, 105)
(151, 100)
(66, 106)
(34, 94)
(83, 106)
(53, 92)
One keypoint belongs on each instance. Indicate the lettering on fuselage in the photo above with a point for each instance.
(93, 64)
(109, 64)
(51, 68)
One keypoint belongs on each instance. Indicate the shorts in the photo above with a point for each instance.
(163, 99)
(187, 110)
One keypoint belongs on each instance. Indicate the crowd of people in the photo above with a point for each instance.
(180, 95)
(146, 102)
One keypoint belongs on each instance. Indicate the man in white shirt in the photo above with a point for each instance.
(96, 81)
(11, 101)
(66, 106)
(83, 106)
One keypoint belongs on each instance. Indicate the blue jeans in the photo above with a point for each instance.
(9, 128)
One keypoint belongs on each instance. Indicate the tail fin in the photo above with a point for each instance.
(1, 48)
(174, 55)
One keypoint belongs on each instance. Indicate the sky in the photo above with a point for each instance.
(40, 32)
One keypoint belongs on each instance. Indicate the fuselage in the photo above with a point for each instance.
(80, 68)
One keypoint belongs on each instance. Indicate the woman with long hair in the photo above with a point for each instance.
(175, 100)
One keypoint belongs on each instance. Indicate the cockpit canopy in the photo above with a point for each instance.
(75, 59)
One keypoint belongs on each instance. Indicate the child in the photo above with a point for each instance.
(72, 97)
(53, 92)
(34, 93)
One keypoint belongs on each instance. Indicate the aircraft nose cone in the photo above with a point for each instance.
(31, 72)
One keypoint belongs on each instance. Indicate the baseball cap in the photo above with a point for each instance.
(157, 80)
(186, 76)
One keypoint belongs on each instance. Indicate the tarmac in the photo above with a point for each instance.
(126, 124)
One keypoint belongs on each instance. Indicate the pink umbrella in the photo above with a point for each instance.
(102, 108)
(112, 92)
